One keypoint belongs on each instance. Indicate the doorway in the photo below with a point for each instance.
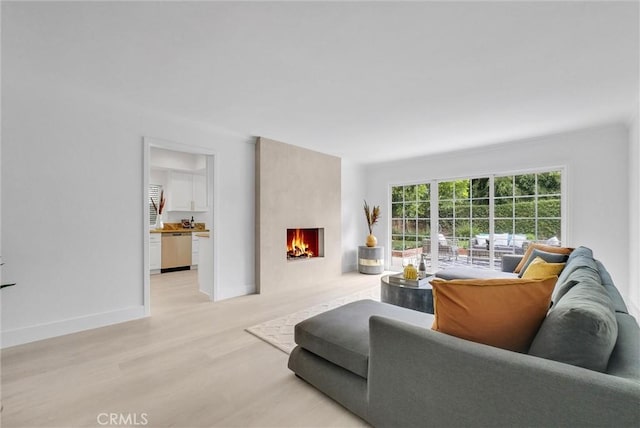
(185, 176)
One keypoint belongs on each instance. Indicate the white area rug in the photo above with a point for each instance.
(279, 332)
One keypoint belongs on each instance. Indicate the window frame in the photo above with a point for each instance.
(434, 207)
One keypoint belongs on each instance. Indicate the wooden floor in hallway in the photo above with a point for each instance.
(190, 364)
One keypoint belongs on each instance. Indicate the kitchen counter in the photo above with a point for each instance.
(178, 230)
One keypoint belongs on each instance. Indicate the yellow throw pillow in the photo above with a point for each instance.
(541, 247)
(538, 268)
(505, 313)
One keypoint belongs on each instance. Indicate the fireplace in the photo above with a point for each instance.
(305, 244)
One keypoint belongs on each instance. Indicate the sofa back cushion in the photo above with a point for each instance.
(481, 239)
(580, 251)
(576, 269)
(505, 313)
(580, 329)
(517, 240)
(607, 282)
(501, 239)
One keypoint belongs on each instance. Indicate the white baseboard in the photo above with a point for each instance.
(236, 291)
(350, 268)
(23, 335)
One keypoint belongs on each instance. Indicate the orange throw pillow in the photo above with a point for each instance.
(541, 247)
(505, 313)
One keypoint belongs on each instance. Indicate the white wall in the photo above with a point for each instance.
(72, 225)
(354, 229)
(170, 159)
(159, 177)
(597, 184)
(634, 212)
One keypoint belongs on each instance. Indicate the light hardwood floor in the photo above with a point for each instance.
(190, 364)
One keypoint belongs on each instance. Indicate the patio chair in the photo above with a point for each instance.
(446, 251)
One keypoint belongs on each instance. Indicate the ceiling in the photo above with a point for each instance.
(367, 81)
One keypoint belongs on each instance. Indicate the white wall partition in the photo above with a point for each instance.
(596, 169)
(72, 201)
(354, 226)
(634, 211)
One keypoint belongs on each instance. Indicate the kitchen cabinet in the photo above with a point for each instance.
(195, 250)
(180, 191)
(205, 269)
(187, 191)
(200, 192)
(155, 252)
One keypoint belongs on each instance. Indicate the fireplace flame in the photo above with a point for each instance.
(298, 247)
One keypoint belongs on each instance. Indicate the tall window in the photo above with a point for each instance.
(529, 207)
(154, 194)
(477, 220)
(410, 220)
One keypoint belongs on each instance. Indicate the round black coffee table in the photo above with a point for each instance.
(416, 298)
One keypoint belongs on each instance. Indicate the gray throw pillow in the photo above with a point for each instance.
(547, 257)
(581, 329)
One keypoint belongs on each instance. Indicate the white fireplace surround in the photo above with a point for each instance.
(289, 192)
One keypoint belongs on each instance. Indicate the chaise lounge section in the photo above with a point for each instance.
(385, 364)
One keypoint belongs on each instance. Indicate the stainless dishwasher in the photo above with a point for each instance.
(176, 251)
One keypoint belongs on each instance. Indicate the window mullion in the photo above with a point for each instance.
(435, 220)
(491, 219)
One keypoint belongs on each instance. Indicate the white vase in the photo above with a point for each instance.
(159, 222)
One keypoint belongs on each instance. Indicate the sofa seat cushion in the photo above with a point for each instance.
(341, 335)
(464, 272)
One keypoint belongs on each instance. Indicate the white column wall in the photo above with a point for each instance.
(354, 225)
(634, 212)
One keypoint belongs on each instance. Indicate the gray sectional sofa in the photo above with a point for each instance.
(385, 364)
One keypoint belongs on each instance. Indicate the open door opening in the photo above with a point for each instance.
(179, 215)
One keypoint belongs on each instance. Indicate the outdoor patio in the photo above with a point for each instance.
(477, 258)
